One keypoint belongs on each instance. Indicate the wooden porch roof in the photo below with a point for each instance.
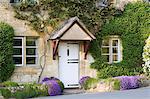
(64, 31)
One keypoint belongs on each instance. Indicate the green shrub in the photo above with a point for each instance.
(113, 71)
(90, 83)
(6, 51)
(10, 84)
(35, 90)
(115, 83)
(28, 91)
(133, 29)
(5, 93)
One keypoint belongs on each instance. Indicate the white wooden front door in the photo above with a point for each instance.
(69, 64)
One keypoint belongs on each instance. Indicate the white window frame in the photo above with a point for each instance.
(24, 51)
(119, 54)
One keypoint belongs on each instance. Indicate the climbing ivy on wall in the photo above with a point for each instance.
(6, 51)
(52, 12)
(133, 28)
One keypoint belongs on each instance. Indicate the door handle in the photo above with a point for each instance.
(73, 59)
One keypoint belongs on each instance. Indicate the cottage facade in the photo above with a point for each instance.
(62, 53)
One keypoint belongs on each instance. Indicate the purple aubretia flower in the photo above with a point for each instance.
(129, 82)
(83, 80)
(49, 78)
(45, 79)
(53, 87)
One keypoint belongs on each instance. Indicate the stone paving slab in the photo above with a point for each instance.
(73, 91)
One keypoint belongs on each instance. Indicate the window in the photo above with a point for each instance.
(111, 49)
(25, 51)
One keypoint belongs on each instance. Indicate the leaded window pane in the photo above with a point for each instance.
(115, 57)
(114, 42)
(105, 50)
(31, 42)
(17, 42)
(30, 51)
(17, 60)
(30, 60)
(115, 50)
(105, 42)
(17, 51)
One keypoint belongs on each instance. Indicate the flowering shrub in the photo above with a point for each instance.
(87, 82)
(129, 82)
(59, 82)
(55, 86)
(83, 80)
(146, 57)
(23, 91)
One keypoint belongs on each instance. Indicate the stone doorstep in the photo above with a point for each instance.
(68, 91)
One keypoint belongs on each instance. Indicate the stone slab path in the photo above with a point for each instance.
(73, 91)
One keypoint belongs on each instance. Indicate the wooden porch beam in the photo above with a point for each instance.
(86, 48)
(55, 48)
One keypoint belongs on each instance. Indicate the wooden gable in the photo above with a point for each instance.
(72, 29)
(75, 33)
